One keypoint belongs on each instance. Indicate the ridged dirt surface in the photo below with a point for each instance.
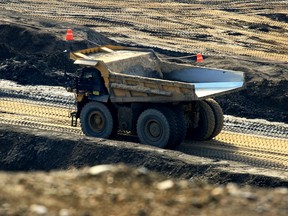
(220, 175)
(213, 27)
(258, 150)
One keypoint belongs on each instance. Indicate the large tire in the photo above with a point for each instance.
(206, 123)
(182, 129)
(153, 128)
(96, 120)
(178, 125)
(218, 115)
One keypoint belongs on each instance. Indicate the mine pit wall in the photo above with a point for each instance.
(34, 150)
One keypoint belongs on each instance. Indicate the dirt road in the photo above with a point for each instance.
(256, 150)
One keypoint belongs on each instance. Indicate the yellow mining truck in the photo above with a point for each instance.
(131, 89)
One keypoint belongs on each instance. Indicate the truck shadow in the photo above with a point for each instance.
(222, 152)
(217, 151)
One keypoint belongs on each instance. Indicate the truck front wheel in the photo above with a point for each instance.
(96, 120)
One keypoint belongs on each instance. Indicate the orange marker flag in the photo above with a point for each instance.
(69, 35)
(199, 57)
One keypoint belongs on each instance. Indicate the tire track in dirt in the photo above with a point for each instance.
(204, 28)
(253, 150)
(256, 127)
(256, 150)
(231, 123)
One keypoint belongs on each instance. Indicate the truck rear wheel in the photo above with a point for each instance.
(153, 128)
(178, 125)
(218, 115)
(96, 120)
(206, 124)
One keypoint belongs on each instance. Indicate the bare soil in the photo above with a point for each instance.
(63, 174)
(33, 52)
(120, 190)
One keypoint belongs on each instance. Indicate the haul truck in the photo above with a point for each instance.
(131, 89)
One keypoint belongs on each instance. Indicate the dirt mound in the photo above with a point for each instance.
(121, 190)
(28, 150)
(204, 185)
(37, 54)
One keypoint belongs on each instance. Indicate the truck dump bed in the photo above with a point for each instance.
(138, 75)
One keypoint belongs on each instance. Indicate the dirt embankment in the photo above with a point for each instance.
(37, 53)
(120, 190)
(30, 149)
(208, 188)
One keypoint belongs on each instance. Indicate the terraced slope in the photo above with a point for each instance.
(252, 28)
